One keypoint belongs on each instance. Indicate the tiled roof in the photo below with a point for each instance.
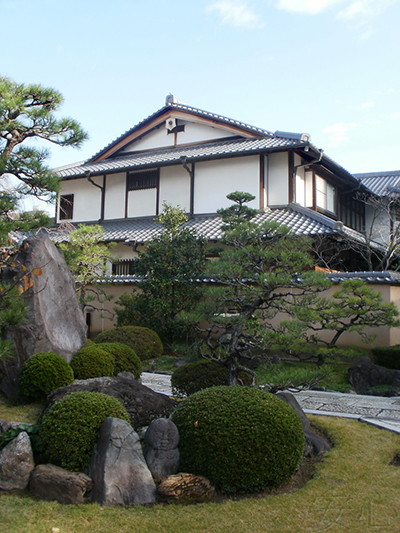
(301, 220)
(173, 155)
(371, 277)
(381, 183)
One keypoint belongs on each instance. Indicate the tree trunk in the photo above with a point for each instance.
(232, 366)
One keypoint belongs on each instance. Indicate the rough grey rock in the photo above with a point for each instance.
(314, 443)
(55, 322)
(16, 463)
(186, 488)
(50, 482)
(161, 448)
(363, 375)
(289, 398)
(142, 404)
(118, 469)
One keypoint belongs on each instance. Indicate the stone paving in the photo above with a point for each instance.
(374, 410)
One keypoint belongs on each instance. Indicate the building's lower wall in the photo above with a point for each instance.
(385, 336)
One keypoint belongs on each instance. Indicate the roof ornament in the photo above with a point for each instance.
(306, 137)
(172, 99)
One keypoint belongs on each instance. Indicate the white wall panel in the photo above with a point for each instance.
(115, 196)
(278, 182)
(142, 203)
(175, 187)
(87, 199)
(215, 179)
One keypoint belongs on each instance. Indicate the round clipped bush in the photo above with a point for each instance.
(193, 377)
(43, 373)
(240, 438)
(70, 428)
(92, 362)
(126, 359)
(145, 342)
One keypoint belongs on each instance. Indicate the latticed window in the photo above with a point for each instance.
(126, 267)
(66, 207)
(147, 179)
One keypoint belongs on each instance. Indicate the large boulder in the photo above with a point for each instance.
(142, 404)
(54, 320)
(315, 444)
(118, 469)
(363, 375)
(16, 463)
(50, 482)
(161, 448)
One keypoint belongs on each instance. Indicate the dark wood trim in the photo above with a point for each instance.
(57, 208)
(126, 194)
(192, 190)
(103, 198)
(158, 193)
(314, 191)
(291, 177)
(262, 181)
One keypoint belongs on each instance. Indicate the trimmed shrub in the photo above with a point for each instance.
(145, 342)
(126, 359)
(387, 356)
(193, 377)
(92, 362)
(43, 373)
(240, 438)
(70, 428)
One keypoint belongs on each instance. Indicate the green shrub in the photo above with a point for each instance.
(388, 356)
(145, 342)
(241, 438)
(92, 362)
(193, 377)
(70, 428)
(43, 373)
(126, 359)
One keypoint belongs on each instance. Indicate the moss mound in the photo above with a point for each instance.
(145, 342)
(92, 362)
(193, 377)
(240, 438)
(126, 359)
(69, 430)
(43, 373)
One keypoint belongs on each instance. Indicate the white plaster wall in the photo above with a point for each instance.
(200, 132)
(87, 199)
(157, 138)
(175, 187)
(123, 251)
(215, 179)
(278, 179)
(142, 203)
(115, 196)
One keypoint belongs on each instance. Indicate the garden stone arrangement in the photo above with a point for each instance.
(52, 324)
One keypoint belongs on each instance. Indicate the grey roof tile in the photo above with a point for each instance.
(301, 220)
(173, 155)
(381, 183)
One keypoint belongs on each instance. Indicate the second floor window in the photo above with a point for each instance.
(142, 180)
(67, 207)
(325, 195)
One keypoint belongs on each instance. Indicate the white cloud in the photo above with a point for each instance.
(354, 11)
(373, 122)
(396, 116)
(236, 13)
(308, 7)
(337, 132)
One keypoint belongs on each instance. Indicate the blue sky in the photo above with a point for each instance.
(326, 67)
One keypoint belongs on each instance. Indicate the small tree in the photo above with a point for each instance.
(169, 271)
(26, 112)
(253, 280)
(86, 256)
